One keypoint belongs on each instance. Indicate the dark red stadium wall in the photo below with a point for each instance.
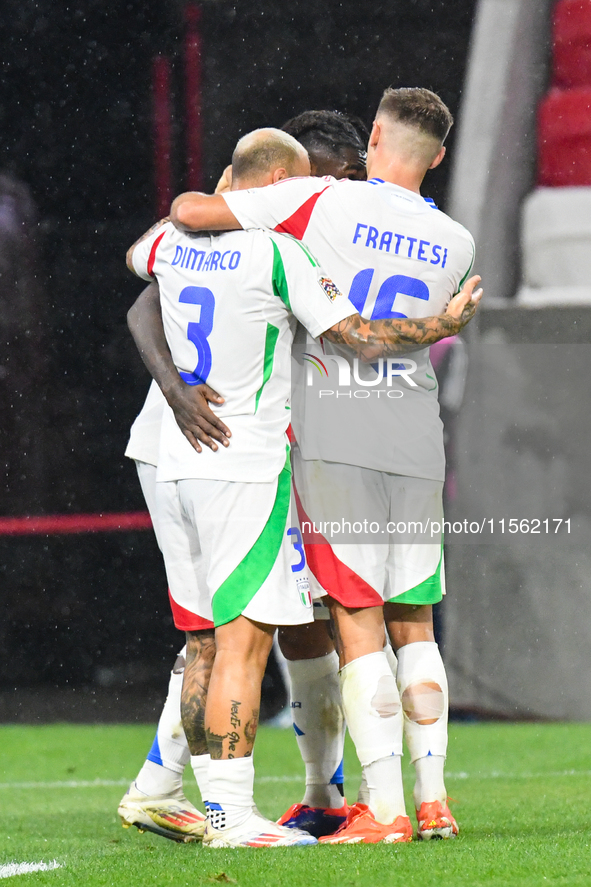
(564, 116)
(77, 129)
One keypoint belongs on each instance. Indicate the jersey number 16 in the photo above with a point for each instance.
(397, 285)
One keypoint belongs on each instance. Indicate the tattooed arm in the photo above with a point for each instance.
(372, 339)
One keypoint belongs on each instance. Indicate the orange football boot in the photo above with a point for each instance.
(436, 821)
(361, 827)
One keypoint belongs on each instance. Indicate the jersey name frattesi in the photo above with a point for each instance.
(437, 255)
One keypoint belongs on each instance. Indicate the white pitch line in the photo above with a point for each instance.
(498, 774)
(279, 778)
(100, 783)
(70, 783)
(23, 868)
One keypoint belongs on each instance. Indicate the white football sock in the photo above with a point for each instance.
(423, 690)
(363, 793)
(231, 785)
(200, 765)
(166, 760)
(155, 781)
(374, 717)
(319, 726)
(429, 785)
(385, 794)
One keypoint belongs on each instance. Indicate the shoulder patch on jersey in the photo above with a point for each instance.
(329, 287)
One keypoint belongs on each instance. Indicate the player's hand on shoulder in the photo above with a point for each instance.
(190, 405)
(464, 304)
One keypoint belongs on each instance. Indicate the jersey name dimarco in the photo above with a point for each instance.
(400, 245)
(195, 260)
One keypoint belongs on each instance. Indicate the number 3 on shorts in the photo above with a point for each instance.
(295, 568)
(197, 332)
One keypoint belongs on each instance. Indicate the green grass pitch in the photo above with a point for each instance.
(522, 798)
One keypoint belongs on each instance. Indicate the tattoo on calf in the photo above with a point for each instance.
(215, 744)
(200, 657)
(234, 738)
(250, 728)
(234, 719)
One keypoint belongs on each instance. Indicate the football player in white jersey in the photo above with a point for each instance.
(336, 144)
(236, 502)
(155, 800)
(395, 255)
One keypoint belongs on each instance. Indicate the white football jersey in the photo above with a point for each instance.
(395, 255)
(228, 307)
(144, 436)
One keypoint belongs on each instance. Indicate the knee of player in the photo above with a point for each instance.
(423, 702)
(244, 643)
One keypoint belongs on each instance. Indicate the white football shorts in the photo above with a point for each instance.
(247, 544)
(350, 519)
(187, 590)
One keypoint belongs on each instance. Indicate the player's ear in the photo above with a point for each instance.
(439, 158)
(279, 174)
(374, 135)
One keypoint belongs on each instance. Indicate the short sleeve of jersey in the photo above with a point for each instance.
(470, 253)
(285, 206)
(144, 254)
(312, 297)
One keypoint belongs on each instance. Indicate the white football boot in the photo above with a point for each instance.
(255, 831)
(171, 816)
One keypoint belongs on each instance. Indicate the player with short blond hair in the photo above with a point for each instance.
(155, 800)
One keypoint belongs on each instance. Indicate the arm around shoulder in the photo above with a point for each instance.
(194, 211)
(372, 339)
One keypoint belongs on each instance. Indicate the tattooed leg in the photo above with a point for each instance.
(233, 701)
(200, 659)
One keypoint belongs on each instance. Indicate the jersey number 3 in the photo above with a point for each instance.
(197, 332)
